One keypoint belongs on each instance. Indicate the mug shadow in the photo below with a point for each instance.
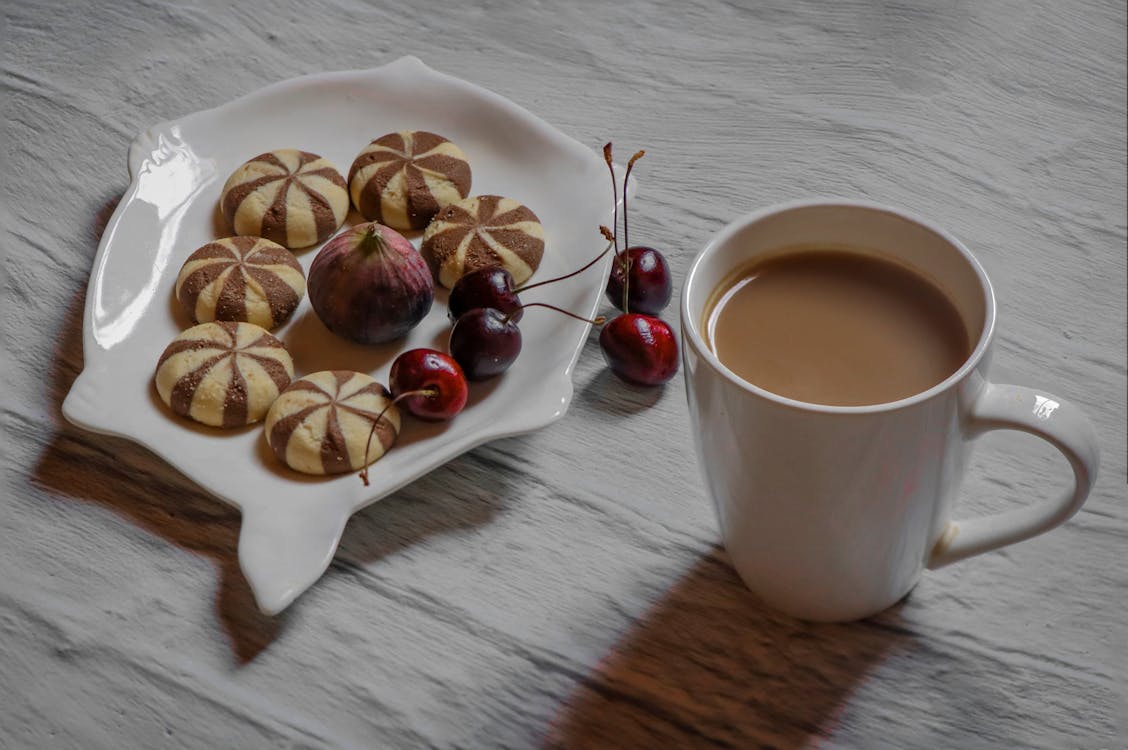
(710, 666)
(137, 485)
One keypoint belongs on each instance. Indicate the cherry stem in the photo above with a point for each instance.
(625, 260)
(372, 432)
(588, 265)
(615, 197)
(598, 321)
(630, 165)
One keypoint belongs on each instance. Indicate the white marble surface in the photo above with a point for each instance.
(566, 588)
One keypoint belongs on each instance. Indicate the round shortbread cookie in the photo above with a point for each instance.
(241, 279)
(481, 231)
(321, 424)
(403, 179)
(223, 374)
(292, 197)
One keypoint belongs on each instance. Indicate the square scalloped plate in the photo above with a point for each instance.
(292, 523)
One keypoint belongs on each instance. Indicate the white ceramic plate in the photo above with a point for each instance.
(292, 523)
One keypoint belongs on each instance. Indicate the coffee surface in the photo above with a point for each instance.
(836, 327)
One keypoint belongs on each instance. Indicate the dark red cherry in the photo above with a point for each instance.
(485, 342)
(487, 287)
(438, 379)
(640, 349)
(650, 287)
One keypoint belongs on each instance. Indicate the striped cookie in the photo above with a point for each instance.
(485, 230)
(223, 374)
(243, 279)
(292, 197)
(403, 179)
(322, 422)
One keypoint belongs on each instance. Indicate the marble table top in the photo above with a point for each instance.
(567, 588)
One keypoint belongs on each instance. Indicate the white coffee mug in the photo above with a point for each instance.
(832, 513)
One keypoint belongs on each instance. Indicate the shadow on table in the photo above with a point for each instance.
(611, 395)
(139, 486)
(131, 481)
(711, 666)
(136, 484)
(126, 479)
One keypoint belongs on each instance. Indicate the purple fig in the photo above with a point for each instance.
(368, 284)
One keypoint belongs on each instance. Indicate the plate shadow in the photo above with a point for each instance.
(140, 487)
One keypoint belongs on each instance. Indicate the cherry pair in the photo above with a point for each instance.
(638, 346)
(485, 307)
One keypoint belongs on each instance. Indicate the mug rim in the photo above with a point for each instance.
(694, 337)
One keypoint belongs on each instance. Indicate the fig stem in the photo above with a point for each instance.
(373, 241)
(588, 265)
(372, 432)
(598, 321)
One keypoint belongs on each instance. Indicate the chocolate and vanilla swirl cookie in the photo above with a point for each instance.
(485, 230)
(291, 197)
(403, 179)
(322, 422)
(241, 279)
(223, 374)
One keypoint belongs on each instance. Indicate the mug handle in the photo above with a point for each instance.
(1062, 425)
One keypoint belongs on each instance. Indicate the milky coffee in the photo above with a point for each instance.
(835, 327)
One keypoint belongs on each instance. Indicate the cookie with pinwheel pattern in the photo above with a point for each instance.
(331, 422)
(291, 197)
(223, 374)
(481, 231)
(403, 179)
(241, 279)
